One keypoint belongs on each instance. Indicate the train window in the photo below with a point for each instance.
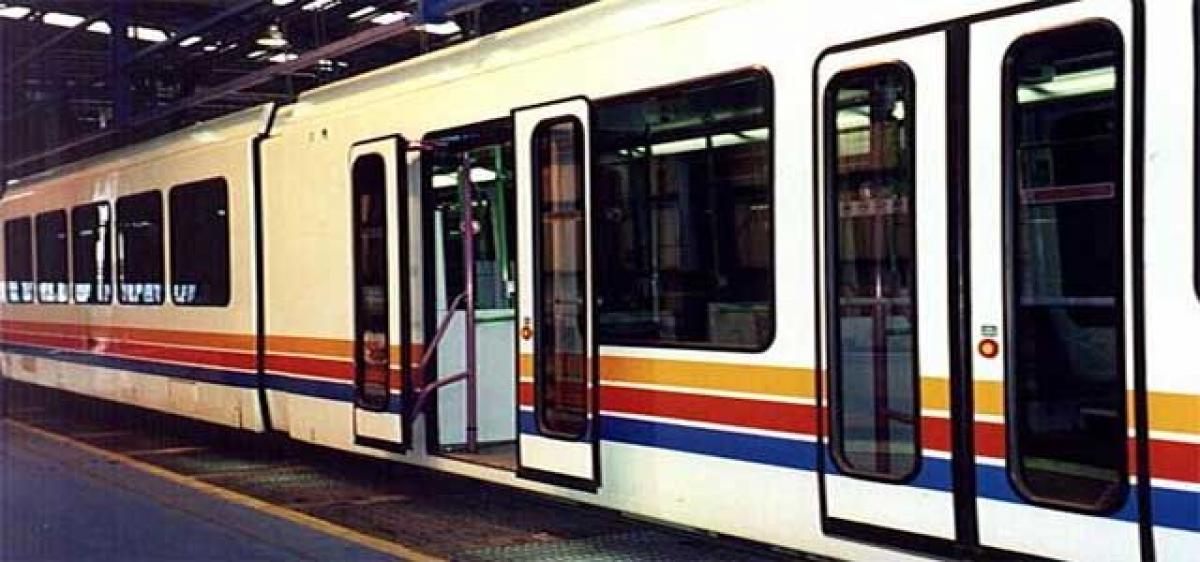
(140, 248)
(200, 243)
(373, 358)
(91, 253)
(18, 260)
(52, 274)
(562, 284)
(1064, 168)
(872, 241)
(683, 234)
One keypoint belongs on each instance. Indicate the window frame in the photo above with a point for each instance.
(109, 263)
(31, 257)
(769, 107)
(163, 245)
(1010, 191)
(829, 211)
(584, 170)
(171, 240)
(66, 254)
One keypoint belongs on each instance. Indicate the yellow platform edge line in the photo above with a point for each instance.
(256, 504)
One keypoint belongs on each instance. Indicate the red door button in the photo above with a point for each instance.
(989, 348)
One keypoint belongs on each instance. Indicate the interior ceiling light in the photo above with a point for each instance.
(273, 38)
(255, 54)
(390, 17)
(190, 41)
(282, 2)
(14, 12)
(62, 20)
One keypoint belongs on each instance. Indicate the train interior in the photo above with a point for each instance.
(486, 150)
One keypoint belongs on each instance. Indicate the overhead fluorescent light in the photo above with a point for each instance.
(447, 28)
(62, 20)
(210, 48)
(14, 12)
(390, 18)
(317, 5)
(255, 54)
(148, 34)
(100, 27)
(362, 12)
(282, 2)
(190, 41)
(283, 57)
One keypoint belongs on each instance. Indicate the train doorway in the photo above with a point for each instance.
(977, 265)
(482, 154)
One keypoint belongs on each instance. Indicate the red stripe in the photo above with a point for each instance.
(325, 368)
(243, 361)
(1174, 460)
(771, 416)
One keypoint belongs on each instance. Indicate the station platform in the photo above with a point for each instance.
(59, 501)
(82, 478)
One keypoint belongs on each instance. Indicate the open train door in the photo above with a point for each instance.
(379, 223)
(558, 437)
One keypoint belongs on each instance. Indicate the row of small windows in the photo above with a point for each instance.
(74, 258)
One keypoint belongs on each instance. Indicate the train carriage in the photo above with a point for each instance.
(854, 279)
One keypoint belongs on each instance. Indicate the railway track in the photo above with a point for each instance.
(437, 515)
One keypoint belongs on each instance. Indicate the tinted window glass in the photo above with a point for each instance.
(371, 283)
(200, 243)
(683, 235)
(1066, 367)
(872, 240)
(18, 260)
(91, 253)
(52, 275)
(562, 353)
(140, 248)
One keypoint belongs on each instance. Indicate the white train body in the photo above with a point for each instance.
(723, 415)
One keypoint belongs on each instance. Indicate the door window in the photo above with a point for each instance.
(1066, 382)
(873, 267)
(562, 284)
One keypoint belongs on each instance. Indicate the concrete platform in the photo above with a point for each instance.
(60, 501)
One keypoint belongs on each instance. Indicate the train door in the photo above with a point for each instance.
(381, 330)
(1054, 187)
(979, 349)
(481, 154)
(557, 440)
(887, 345)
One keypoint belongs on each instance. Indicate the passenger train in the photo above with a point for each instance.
(865, 279)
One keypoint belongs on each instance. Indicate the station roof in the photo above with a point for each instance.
(71, 87)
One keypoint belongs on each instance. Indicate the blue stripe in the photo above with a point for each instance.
(1172, 508)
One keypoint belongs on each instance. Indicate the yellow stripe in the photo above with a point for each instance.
(309, 521)
(1172, 412)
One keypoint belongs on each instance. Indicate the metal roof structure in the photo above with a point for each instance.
(72, 86)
